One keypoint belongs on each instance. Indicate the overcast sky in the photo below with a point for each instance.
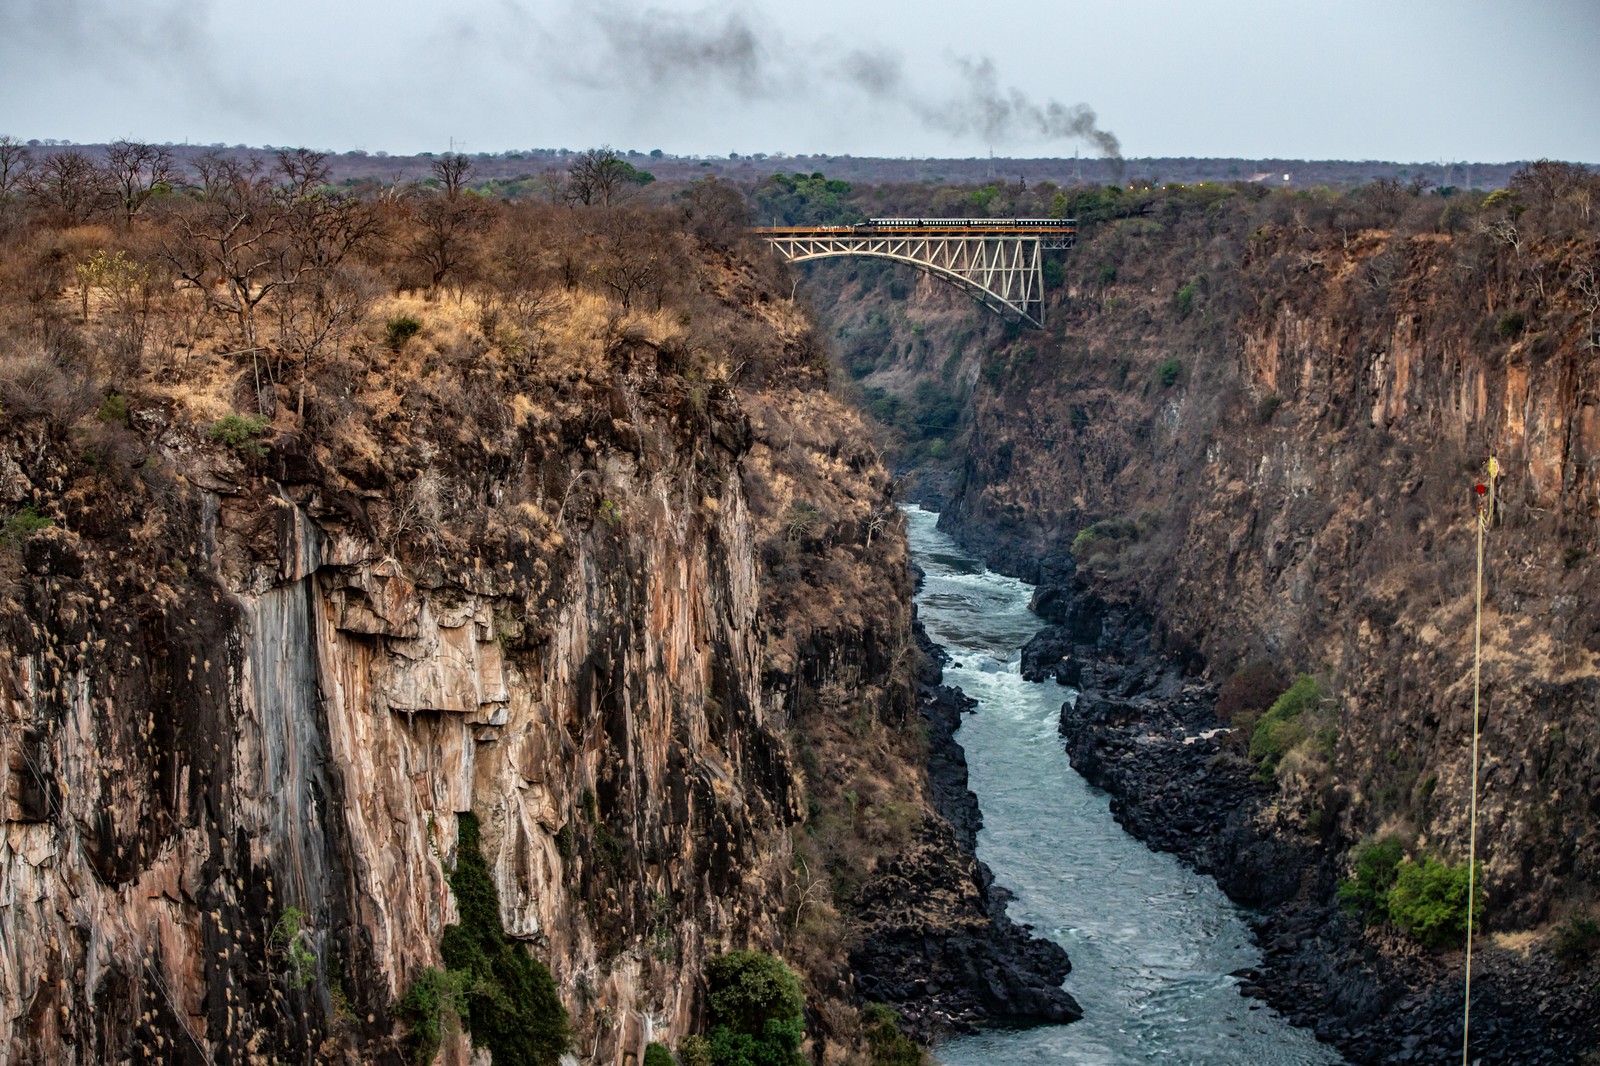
(1404, 80)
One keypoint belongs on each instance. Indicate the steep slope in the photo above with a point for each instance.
(626, 587)
(1251, 437)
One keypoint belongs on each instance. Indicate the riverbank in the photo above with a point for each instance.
(978, 968)
(1153, 945)
(1149, 735)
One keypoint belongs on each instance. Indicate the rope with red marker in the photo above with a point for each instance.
(1485, 502)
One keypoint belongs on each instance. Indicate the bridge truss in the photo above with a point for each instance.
(1001, 263)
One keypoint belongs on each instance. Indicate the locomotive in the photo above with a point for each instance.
(969, 223)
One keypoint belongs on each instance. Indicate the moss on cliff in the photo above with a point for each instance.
(513, 1008)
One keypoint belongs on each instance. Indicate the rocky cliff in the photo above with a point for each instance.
(626, 586)
(1251, 438)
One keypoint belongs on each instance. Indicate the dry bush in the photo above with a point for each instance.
(34, 385)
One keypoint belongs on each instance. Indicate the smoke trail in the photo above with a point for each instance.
(674, 52)
(110, 39)
(878, 74)
(666, 49)
(1001, 115)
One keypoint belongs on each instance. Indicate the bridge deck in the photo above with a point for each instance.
(913, 231)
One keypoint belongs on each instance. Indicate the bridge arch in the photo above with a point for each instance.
(994, 301)
(999, 261)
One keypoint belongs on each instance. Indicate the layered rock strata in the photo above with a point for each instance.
(600, 594)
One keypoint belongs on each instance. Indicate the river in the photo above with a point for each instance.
(1152, 943)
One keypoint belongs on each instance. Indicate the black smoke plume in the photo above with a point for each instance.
(677, 52)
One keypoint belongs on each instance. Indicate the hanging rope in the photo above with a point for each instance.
(1485, 516)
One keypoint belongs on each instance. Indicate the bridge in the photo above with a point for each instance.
(999, 260)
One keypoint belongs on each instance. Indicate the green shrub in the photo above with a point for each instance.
(803, 519)
(694, 1050)
(1169, 372)
(1186, 300)
(1280, 729)
(239, 432)
(1576, 940)
(1429, 900)
(25, 521)
(399, 330)
(1367, 894)
(114, 408)
(1510, 325)
(656, 1054)
(1106, 533)
(432, 1007)
(885, 1042)
(288, 941)
(757, 1012)
(514, 1010)
(1084, 540)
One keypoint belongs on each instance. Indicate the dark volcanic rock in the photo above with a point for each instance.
(940, 946)
(1147, 738)
(1051, 654)
(1374, 994)
(974, 967)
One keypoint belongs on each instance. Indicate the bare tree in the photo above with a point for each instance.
(15, 162)
(452, 170)
(247, 238)
(715, 211)
(223, 239)
(1502, 231)
(321, 299)
(302, 171)
(68, 186)
(521, 269)
(1585, 281)
(321, 312)
(444, 243)
(552, 181)
(137, 171)
(637, 256)
(597, 177)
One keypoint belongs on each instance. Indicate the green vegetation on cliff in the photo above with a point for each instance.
(756, 1013)
(1287, 724)
(1429, 900)
(1295, 391)
(505, 996)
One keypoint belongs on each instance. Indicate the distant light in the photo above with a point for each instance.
(1286, 177)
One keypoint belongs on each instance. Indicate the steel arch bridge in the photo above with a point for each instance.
(998, 260)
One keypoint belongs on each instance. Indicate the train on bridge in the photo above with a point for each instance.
(970, 223)
(872, 227)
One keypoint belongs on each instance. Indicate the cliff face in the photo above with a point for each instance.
(1251, 435)
(251, 681)
(1303, 493)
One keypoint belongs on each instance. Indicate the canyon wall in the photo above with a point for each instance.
(634, 596)
(1295, 482)
(1250, 437)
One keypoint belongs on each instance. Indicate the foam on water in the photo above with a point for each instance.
(1152, 943)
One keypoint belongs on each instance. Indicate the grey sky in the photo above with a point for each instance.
(1408, 80)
